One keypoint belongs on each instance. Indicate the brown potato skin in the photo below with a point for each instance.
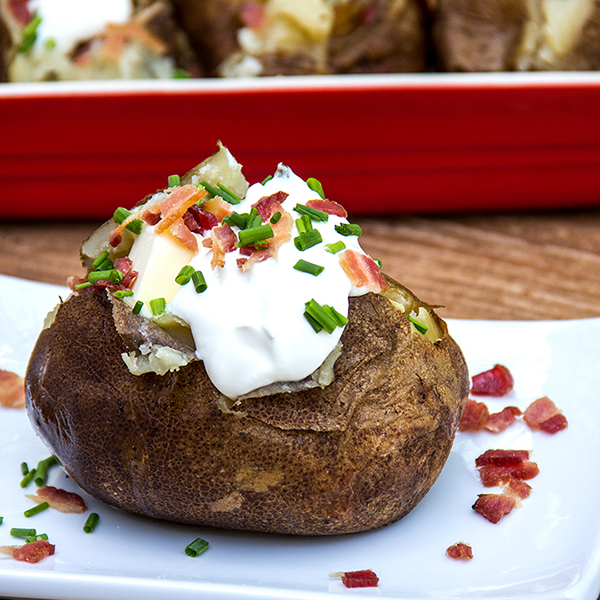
(357, 455)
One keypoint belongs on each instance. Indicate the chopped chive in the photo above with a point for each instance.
(228, 195)
(420, 327)
(123, 293)
(308, 267)
(184, 275)
(101, 258)
(335, 247)
(313, 322)
(348, 229)
(82, 286)
(276, 217)
(91, 522)
(236, 219)
(247, 237)
(257, 222)
(50, 44)
(197, 547)
(114, 276)
(316, 311)
(308, 239)
(1, 520)
(158, 306)
(36, 538)
(38, 508)
(304, 224)
(199, 282)
(135, 226)
(26, 480)
(315, 186)
(313, 213)
(263, 245)
(378, 262)
(252, 217)
(173, 181)
(268, 178)
(22, 533)
(24, 468)
(106, 265)
(121, 214)
(41, 471)
(137, 307)
(339, 318)
(29, 33)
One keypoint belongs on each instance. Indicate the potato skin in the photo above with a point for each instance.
(357, 455)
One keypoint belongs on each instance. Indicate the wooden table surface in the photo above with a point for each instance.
(518, 266)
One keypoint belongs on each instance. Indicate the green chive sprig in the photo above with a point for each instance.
(38, 508)
(420, 327)
(41, 471)
(21, 532)
(101, 258)
(121, 214)
(308, 239)
(199, 282)
(247, 237)
(236, 219)
(315, 186)
(91, 522)
(196, 548)
(28, 478)
(123, 293)
(303, 224)
(173, 181)
(323, 317)
(24, 468)
(267, 178)
(29, 33)
(82, 286)
(222, 191)
(313, 213)
(184, 275)
(137, 307)
(348, 229)
(36, 538)
(276, 216)
(158, 306)
(114, 276)
(335, 247)
(307, 267)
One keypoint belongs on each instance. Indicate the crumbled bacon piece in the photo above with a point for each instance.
(198, 220)
(363, 271)
(499, 421)
(495, 382)
(543, 415)
(492, 475)
(460, 551)
(358, 579)
(31, 553)
(502, 457)
(12, 390)
(267, 206)
(59, 499)
(517, 488)
(494, 507)
(475, 416)
(218, 207)
(150, 217)
(223, 240)
(328, 206)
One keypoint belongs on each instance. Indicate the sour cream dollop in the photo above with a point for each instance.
(249, 326)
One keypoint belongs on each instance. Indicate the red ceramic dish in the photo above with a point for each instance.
(379, 144)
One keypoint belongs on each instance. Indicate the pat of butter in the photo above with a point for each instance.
(158, 260)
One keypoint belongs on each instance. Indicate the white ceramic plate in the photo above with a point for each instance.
(548, 549)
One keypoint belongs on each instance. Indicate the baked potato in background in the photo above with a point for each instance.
(353, 456)
(516, 35)
(276, 37)
(128, 408)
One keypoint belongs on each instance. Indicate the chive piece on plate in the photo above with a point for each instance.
(26, 480)
(315, 186)
(38, 508)
(335, 247)
(267, 178)
(158, 306)
(22, 533)
(199, 282)
(348, 229)
(308, 239)
(196, 548)
(91, 522)
(276, 217)
(24, 468)
(308, 267)
(121, 214)
(137, 307)
(36, 538)
(184, 275)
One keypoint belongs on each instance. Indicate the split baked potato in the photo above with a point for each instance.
(353, 453)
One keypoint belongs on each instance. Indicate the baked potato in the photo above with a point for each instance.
(516, 35)
(131, 408)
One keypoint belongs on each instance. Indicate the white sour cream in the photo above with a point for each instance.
(249, 326)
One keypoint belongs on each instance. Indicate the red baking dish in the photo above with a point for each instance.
(379, 143)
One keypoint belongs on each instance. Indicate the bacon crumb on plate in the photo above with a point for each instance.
(357, 579)
(494, 507)
(495, 382)
(59, 499)
(460, 551)
(502, 457)
(31, 553)
(12, 390)
(500, 421)
(543, 415)
(475, 416)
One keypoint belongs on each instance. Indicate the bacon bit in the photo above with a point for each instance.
(12, 390)
(358, 579)
(492, 475)
(502, 458)
(199, 220)
(150, 217)
(495, 382)
(460, 551)
(517, 488)
(328, 206)
(223, 240)
(59, 499)
(282, 232)
(498, 422)
(218, 207)
(494, 507)
(31, 553)
(252, 15)
(267, 206)
(475, 416)
(183, 235)
(176, 204)
(543, 415)
(363, 271)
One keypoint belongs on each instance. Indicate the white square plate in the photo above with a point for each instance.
(547, 549)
